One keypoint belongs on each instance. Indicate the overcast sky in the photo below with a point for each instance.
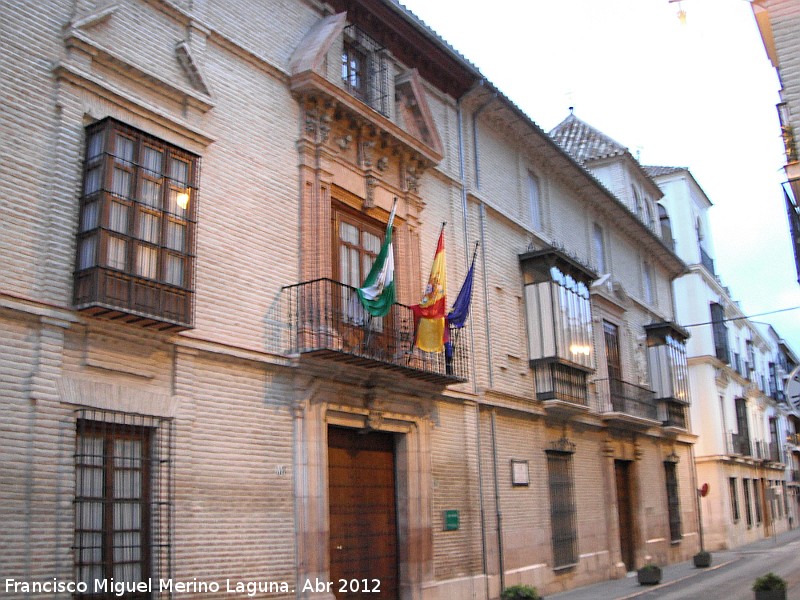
(700, 94)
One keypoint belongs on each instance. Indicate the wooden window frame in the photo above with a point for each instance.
(353, 52)
(140, 225)
(381, 330)
(146, 471)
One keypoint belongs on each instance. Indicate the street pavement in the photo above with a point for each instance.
(729, 577)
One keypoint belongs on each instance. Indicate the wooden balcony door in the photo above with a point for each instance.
(363, 514)
(357, 242)
(614, 366)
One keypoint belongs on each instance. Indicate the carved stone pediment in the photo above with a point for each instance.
(416, 136)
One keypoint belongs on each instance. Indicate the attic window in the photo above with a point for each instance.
(365, 72)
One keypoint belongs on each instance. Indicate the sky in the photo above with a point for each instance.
(699, 94)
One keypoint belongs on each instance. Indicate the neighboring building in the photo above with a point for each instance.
(781, 365)
(737, 371)
(779, 24)
(193, 192)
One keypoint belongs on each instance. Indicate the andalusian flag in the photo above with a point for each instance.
(430, 312)
(377, 292)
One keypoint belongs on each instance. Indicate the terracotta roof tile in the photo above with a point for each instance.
(656, 171)
(584, 142)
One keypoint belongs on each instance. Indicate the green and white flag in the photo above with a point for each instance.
(377, 292)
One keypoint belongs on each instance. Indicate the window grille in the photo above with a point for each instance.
(734, 499)
(562, 509)
(748, 509)
(365, 69)
(757, 499)
(673, 501)
(123, 502)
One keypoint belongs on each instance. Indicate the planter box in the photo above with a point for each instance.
(771, 595)
(650, 576)
(702, 560)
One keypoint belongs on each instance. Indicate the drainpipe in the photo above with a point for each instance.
(497, 505)
(484, 563)
(464, 211)
(476, 157)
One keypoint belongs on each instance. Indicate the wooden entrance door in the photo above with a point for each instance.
(363, 516)
(625, 513)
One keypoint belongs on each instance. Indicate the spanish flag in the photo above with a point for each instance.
(430, 312)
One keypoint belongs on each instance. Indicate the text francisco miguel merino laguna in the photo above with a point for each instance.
(120, 588)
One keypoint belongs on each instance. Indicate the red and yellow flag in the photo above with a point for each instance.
(430, 312)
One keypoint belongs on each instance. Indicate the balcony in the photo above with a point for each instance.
(672, 414)
(707, 261)
(775, 453)
(794, 440)
(626, 405)
(561, 388)
(739, 444)
(323, 322)
(118, 296)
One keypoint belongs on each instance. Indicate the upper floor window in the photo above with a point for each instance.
(136, 227)
(365, 71)
(534, 201)
(667, 363)
(666, 227)
(559, 311)
(599, 248)
(358, 244)
(648, 283)
(637, 203)
(720, 332)
(354, 65)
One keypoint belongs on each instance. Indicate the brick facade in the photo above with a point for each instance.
(258, 95)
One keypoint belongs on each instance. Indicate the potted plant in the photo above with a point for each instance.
(520, 592)
(649, 574)
(702, 559)
(770, 587)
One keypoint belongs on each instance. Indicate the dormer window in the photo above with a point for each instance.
(365, 72)
(354, 63)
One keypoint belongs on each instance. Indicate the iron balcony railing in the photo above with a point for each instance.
(325, 318)
(555, 381)
(761, 451)
(707, 261)
(739, 444)
(775, 452)
(615, 395)
(673, 414)
(793, 439)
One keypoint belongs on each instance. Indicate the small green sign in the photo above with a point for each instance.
(450, 520)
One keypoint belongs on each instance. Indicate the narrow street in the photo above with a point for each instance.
(730, 577)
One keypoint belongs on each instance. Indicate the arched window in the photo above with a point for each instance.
(666, 227)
